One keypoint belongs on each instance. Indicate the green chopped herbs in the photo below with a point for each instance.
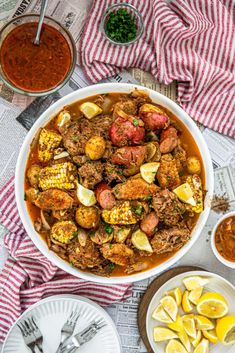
(75, 234)
(138, 209)
(136, 122)
(110, 246)
(25, 196)
(120, 26)
(111, 266)
(108, 229)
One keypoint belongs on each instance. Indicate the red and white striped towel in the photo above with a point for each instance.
(191, 41)
(28, 276)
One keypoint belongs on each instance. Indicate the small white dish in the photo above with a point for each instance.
(224, 261)
(52, 312)
(216, 284)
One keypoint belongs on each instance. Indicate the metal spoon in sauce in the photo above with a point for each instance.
(40, 22)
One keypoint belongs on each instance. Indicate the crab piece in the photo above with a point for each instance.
(119, 254)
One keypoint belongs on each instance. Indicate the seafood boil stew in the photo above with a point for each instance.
(114, 184)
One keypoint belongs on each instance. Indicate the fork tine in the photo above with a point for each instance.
(76, 317)
(21, 329)
(33, 323)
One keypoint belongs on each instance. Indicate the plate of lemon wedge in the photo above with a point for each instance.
(193, 312)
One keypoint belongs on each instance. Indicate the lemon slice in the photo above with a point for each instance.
(85, 196)
(212, 305)
(203, 323)
(211, 336)
(90, 110)
(194, 282)
(159, 314)
(185, 340)
(185, 194)
(186, 305)
(163, 334)
(170, 306)
(203, 347)
(195, 342)
(174, 346)
(189, 325)
(63, 118)
(225, 330)
(140, 240)
(148, 171)
(176, 294)
(177, 325)
(195, 295)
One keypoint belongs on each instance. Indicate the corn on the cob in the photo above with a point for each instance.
(196, 186)
(48, 141)
(64, 231)
(59, 176)
(121, 214)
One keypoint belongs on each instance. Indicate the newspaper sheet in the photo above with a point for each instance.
(15, 121)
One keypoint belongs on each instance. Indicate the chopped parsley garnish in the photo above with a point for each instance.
(138, 209)
(108, 229)
(110, 246)
(120, 26)
(111, 266)
(75, 234)
(136, 122)
(25, 196)
(91, 234)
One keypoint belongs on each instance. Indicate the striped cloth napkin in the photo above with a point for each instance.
(28, 276)
(191, 41)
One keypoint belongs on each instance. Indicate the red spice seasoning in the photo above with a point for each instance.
(35, 68)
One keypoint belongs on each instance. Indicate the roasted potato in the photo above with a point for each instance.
(87, 217)
(95, 147)
(33, 175)
(193, 165)
(31, 194)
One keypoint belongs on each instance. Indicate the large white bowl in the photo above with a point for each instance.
(81, 94)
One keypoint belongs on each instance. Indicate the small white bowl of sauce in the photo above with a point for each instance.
(223, 239)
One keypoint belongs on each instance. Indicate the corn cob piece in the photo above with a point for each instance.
(58, 176)
(121, 214)
(196, 186)
(64, 231)
(48, 141)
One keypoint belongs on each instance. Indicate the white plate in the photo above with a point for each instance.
(84, 93)
(51, 313)
(216, 284)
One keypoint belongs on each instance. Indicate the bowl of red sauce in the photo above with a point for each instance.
(223, 239)
(36, 70)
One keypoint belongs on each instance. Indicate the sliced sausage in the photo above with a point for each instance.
(168, 140)
(105, 197)
(149, 223)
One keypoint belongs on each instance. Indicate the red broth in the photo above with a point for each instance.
(35, 68)
(225, 238)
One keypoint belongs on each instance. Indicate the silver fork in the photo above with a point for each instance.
(67, 329)
(31, 334)
(83, 337)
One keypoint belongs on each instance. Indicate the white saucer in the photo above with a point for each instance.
(216, 284)
(52, 312)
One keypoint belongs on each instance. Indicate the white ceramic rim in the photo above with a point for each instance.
(81, 94)
(183, 274)
(69, 297)
(215, 251)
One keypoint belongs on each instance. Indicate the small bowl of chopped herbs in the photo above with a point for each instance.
(122, 24)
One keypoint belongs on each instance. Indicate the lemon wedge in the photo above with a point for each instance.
(170, 306)
(203, 323)
(159, 314)
(195, 342)
(186, 305)
(163, 334)
(212, 305)
(177, 325)
(85, 196)
(195, 295)
(176, 294)
(175, 346)
(148, 171)
(189, 325)
(140, 240)
(203, 347)
(211, 336)
(194, 282)
(225, 330)
(90, 110)
(185, 340)
(185, 194)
